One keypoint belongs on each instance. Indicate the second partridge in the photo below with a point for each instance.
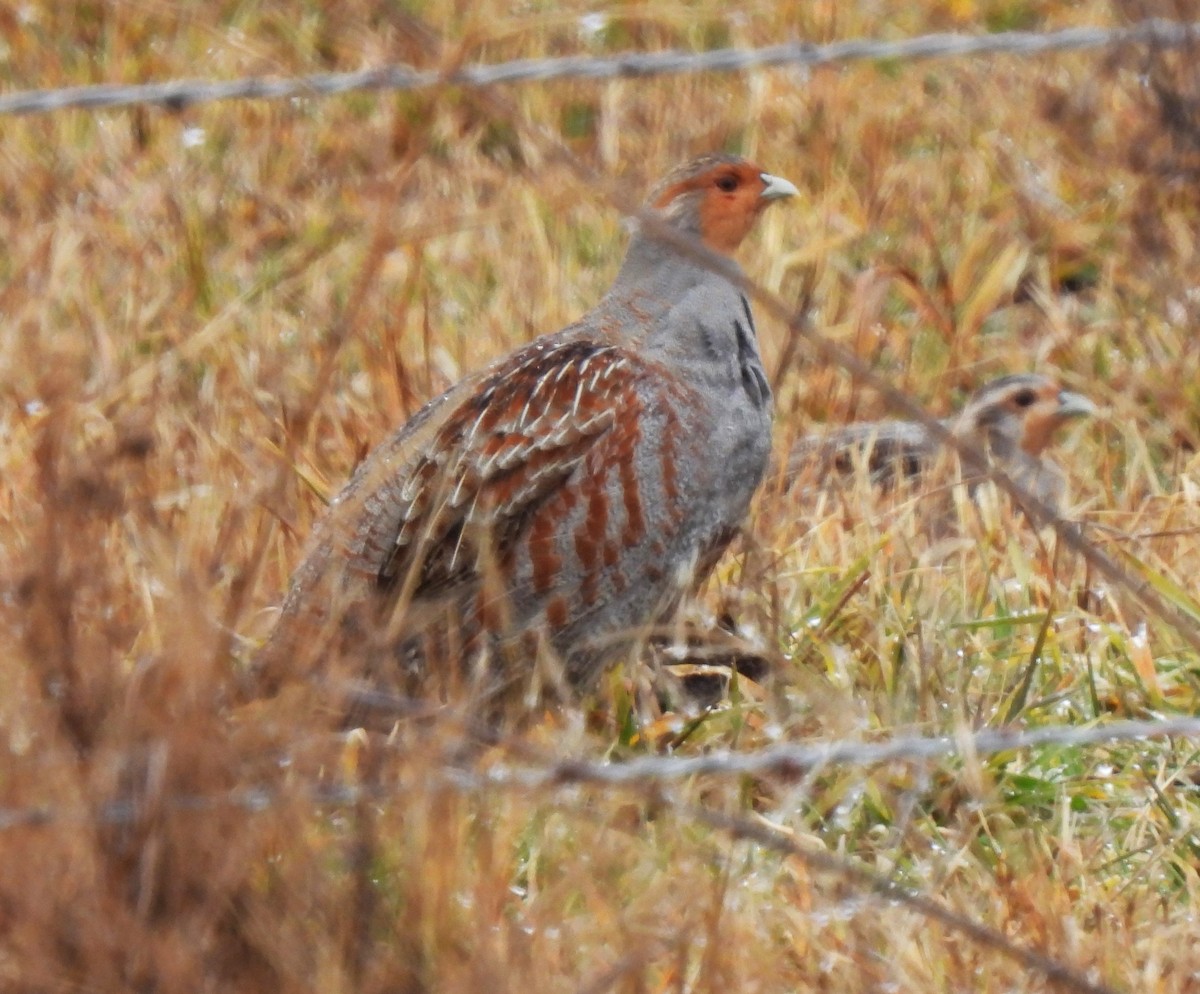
(1009, 421)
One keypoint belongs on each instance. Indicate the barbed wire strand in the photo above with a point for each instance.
(790, 759)
(648, 772)
(784, 759)
(180, 94)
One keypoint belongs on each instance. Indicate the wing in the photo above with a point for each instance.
(883, 448)
(425, 507)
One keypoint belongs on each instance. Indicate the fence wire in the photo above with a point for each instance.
(785, 759)
(179, 94)
(653, 772)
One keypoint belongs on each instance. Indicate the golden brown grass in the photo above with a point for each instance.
(207, 318)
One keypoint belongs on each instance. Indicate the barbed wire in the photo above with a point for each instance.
(785, 759)
(790, 759)
(179, 94)
(652, 772)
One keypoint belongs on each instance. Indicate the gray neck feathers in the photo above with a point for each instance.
(652, 279)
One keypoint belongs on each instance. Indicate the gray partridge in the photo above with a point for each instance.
(570, 494)
(1009, 421)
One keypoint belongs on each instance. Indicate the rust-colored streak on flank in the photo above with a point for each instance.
(557, 613)
(592, 547)
(643, 313)
(635, 523)
(612, 554)
(543, 549)
(488, 612)
(611, 547)
(544, 558)
(668, 455)
(589, 540)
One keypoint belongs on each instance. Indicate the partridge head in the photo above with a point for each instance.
(564, 499)
(1013, 421)
(1020, 413)
(716, 198)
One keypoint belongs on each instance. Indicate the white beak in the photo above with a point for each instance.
(776, 187)
(1075, 405)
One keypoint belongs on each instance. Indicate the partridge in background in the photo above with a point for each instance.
(568, 496)
(1009, 422)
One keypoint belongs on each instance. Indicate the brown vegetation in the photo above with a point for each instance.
(207, 316)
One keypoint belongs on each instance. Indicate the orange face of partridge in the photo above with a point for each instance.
(727, 197)
(1041, 407)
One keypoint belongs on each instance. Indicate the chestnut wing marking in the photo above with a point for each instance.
(505, 449)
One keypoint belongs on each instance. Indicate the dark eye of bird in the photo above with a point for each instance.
(727, 182)
(1025, 398)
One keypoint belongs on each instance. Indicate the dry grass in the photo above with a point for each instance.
(209, 316)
